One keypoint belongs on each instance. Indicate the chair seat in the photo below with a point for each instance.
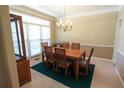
(67, 63)
(83, 63)
(50, 61)
(61, 60)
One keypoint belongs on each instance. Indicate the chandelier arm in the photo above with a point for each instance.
(64, 12)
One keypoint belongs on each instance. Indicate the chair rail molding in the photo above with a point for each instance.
(98, 45)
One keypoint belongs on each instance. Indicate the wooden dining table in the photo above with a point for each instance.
(75, 55)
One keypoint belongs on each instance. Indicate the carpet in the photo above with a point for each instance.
(70, 81)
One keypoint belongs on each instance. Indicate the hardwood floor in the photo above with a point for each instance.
(105, 76)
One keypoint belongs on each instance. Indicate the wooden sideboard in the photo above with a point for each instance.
(23, 69)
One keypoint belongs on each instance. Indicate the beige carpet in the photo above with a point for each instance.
(105, 76)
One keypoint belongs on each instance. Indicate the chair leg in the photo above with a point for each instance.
(56, 69)
(66, 72)
(86, 72)
(47, 65)
(53, 67)
(44, 63)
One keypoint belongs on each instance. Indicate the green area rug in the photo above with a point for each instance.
(70, 81)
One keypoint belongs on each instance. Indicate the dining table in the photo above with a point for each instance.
(75, 55)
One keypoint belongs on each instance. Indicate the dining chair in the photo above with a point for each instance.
(61, 60)
(75, 46)
(85, 63)
(65, 45)
(49, 56)
(43, 53)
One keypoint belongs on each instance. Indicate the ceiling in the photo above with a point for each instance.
(75, 10)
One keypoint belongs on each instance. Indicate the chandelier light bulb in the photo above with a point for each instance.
(64, 24)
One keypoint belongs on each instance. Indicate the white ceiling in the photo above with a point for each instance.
(75, 10)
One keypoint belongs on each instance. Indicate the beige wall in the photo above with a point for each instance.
(2, 75)
(94, 30)
(53, 32)
(100, 51)
(8, 70)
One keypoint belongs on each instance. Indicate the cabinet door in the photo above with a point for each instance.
(17, 35)
(24, 74)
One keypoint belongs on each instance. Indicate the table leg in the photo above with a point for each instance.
(42, 56)
(84, 54)
(77, 68)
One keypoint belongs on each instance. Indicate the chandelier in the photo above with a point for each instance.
(64, 24)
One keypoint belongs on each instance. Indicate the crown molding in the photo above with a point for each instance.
(92, 13)
(120, 7)
(30, 11)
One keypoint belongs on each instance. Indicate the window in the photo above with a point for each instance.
(26, 39)
(34, 35)
(46, 34)
(32, 19)
(34, 38)
(15, 38)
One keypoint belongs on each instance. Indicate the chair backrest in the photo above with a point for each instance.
(91, 53)
(65, 45)
(49, 53)
(75, 46)
(60, 54)
(44, 44)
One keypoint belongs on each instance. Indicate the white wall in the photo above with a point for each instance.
(119, 44)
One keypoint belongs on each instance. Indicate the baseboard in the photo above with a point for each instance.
(118, 74)
(103, 59)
